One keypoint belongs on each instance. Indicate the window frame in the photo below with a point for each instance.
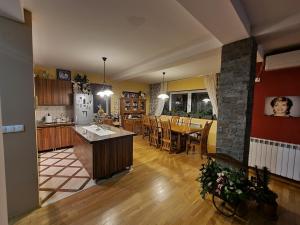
(189, 99)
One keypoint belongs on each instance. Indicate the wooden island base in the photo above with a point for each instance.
(105, 157)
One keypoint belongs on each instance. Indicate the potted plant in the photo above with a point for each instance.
(208, 177)
(81, 84)
(236, 190)
(228, 186)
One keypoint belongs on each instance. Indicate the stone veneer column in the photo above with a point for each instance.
(236, 84)
(154, 92)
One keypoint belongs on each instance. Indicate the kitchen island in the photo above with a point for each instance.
(103, 150)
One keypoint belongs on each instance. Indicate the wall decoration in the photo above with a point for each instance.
(81, 84)
(282, 106)
(63, 74)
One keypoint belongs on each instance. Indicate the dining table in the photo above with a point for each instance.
(184, 130)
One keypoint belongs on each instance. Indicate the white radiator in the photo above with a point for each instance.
(280, 158)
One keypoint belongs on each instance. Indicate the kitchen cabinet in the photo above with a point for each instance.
(132, 105)
(54, 137)
(135, 107)
(133, 125)
(67, 136)
(46, 138)
(53, 92)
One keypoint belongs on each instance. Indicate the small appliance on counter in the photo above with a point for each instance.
(83, 109)
(48, 118)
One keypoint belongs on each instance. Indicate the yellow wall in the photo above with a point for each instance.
(193, 83)
(117, 86)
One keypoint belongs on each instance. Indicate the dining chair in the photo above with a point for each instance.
(186, 121)
(201, 141)
(175, 119)
(167, 143)
(146, 126)
(154, 139)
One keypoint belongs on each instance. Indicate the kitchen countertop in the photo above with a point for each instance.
(92, 137)
(43, 125)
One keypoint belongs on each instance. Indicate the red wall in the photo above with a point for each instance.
(284, 82)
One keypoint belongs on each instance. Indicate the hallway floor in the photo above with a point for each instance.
(161, 189)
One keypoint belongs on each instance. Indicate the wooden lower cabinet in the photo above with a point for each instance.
(54, 137)
(67, 136)
(133, 125)
(46, 138)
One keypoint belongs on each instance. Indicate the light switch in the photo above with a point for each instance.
(12, 129)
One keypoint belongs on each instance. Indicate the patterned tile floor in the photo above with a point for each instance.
(61, 175)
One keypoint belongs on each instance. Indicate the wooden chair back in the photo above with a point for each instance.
(166, 135)
(203, 138)
(145, 126)
(154, 132)
(186, 121)
(175, 119)
(146, 120)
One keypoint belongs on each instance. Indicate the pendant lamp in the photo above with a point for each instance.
(163, 95)
(106, 89)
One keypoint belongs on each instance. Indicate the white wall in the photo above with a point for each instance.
(17, 96)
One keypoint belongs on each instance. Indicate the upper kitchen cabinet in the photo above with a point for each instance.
(53, 92)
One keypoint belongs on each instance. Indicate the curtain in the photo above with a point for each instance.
(210, 82)
(156, 104)
(161, 102)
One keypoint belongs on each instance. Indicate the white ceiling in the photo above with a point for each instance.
(141, 38)
(275, 24)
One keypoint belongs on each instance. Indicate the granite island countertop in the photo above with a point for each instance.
(92, 137)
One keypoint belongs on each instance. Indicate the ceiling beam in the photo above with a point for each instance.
(12, 9)
(226, 20)
(169, 59)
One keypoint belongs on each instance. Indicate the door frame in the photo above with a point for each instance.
(3, 198)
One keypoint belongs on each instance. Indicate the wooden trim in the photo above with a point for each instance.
(28, 18)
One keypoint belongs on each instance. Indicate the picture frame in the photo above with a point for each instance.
(282, 106)
(63, 74)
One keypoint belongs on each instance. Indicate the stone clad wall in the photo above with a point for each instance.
(235, 90)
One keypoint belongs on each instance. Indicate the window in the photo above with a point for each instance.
(195, 103)
(200, 102)
(179, 102)
(103, 101)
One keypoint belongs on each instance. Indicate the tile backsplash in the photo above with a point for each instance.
(54, 111)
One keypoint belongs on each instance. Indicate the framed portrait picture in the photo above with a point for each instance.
(282, 106)
(63, 74)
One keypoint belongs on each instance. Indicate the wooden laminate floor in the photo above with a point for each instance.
(160, 189)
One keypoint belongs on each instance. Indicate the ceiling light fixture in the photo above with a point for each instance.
(105, 89)
(206, 100)
(163, 95)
